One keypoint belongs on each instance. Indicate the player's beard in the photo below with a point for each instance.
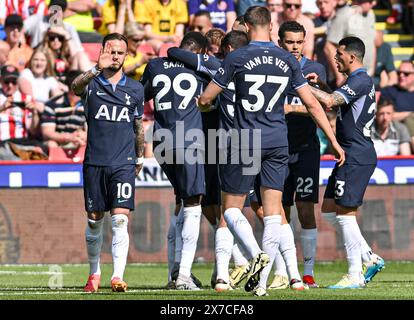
(115, 68)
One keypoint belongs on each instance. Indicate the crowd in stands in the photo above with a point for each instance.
(44, 45)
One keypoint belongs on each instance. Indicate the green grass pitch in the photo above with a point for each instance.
(146, 281)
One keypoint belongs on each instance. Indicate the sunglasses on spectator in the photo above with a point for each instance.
(405, 73)
(292, 5)
(10, 81)
(53, 37)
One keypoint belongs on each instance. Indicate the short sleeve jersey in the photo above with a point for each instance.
(173, 88)
(262, 74)
(355, 118)
(110, 111)
(163, 18)
(302, 129)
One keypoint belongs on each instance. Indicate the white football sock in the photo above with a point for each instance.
(171, 245)
(308, 239)
(270, 244)
(94, 239)
(242, 231)
(120, 244)
(280, 266)
(191, 230)
(238, 256)
(178, 235)
(288, 250)
(366, 251)
(224, 245)
(350, 231)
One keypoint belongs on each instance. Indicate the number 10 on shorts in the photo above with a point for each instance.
(124, 190)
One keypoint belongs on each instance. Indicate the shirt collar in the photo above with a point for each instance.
(359, 70)
(269, 44)
(105, 82)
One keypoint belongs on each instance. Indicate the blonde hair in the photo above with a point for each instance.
(50, 71)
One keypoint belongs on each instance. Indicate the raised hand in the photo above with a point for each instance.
(105, 57)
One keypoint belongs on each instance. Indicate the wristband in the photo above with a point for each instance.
(96, 71)
(139, 160)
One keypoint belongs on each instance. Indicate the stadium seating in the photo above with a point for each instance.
(92, 50)
(60, 154)
(164, 48)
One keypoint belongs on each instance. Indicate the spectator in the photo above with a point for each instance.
(63, 121)
(38, 79)
(201, 22)
(292, 12)
(4, 52)
(222, 12)
(20, 52)
(244, 4)
(214, 37)
(18, 116)
(390, 137)
(22, 8)
(239, 24)
(118, 13)
(402, 96)
(36, 26)
(358, 21)
(79, 15)
(275, 6)
(135, 61)
(385, 73)
(64, 56)
(164, 21)
(396, 11)
(322, 24)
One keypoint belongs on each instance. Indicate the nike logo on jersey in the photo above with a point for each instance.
(120, 201)
(305, 195)
(99, 93)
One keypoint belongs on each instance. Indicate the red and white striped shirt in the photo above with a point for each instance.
(14, 122)
(24, 8)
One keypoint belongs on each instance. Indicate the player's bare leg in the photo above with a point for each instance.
(94, 239)
(189, 234)
(120, 246)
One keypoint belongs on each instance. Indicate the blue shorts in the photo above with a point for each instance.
(347, 184)
(303, 178)
(108, 187)
(271, 165)
(187, 179)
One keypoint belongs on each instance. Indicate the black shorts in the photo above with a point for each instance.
(108, 187)
(347, 184)
(186, 178)
(303, 178)
(271, 165)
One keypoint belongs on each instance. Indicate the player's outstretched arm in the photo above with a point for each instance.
(139, 144)
(328, 100)
(296, 109)
(205, 101)
(105, 60)
(319, 116)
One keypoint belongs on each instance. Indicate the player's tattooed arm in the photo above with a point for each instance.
(81, 82)
(329, 100)
(139, 144)
(139, 137)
